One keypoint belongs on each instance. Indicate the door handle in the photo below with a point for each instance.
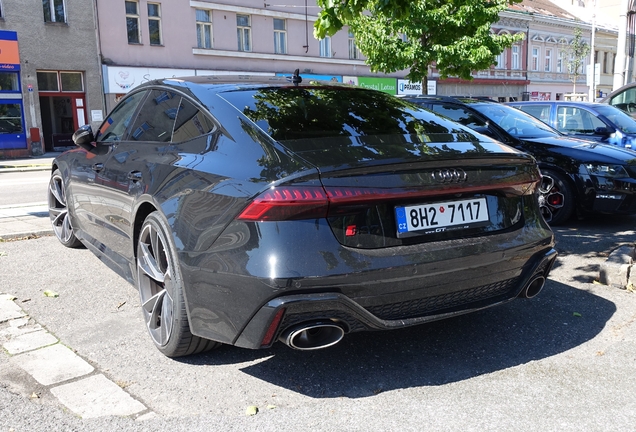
(98, 167)
(135, 176)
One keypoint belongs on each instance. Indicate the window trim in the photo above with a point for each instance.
(244, 45)
(136, 17)
(58, 76)
(52, 12)
(325, 44)
(354, 51)
(159, 23)
(547, 66)
(280, 48)
(535, 53)
(515, 59)
(200, 26)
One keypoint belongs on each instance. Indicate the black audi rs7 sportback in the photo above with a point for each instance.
(249, 211)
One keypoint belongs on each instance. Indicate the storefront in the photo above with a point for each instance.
(386, 85)
(62, 106)
(12, 127)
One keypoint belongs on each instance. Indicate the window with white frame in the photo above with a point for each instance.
(515, 64)
(280, 36)
(132, 22)
(354, 52)
(204, 28)
(560, 62)
(154, 23)
(325, 47)
(535, 59)
(243, 32)
(547, 66)
(54, 11)
(500, 60)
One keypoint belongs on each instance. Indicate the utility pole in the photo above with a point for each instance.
(591, 96)
(620, 63)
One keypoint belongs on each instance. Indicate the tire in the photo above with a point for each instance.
(556, 198)
(58, 212)
(161, 290)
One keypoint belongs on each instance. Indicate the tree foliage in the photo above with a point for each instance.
(398, 34)
(574, 54)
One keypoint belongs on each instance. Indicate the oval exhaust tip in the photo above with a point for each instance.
(313, 336)
(533, 288)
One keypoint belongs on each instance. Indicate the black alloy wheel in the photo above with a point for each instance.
(160, 287)
(58, 212)
(556, 199)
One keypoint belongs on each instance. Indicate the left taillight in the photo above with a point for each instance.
(287, 203)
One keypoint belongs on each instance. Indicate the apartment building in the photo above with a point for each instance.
(142, 40)
(50, 76)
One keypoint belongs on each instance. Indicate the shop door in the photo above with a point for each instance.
(12, 129)
(62, 115)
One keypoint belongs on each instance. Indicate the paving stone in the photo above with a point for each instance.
(18, 327)
(97, 396)
(29, 342)
(8, 309)
(53, 364)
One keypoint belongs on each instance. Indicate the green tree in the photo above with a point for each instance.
(398, 34)
(574, 55)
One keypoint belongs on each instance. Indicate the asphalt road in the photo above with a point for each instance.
(565, 360)
(24, 187)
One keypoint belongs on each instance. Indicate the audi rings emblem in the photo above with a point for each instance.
(451, 175)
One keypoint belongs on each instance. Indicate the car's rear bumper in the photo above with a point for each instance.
(269, 322)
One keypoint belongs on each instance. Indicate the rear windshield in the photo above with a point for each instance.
(301, 113)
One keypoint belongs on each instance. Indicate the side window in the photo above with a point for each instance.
(577, 120)
(460, 115)
(156, 117)
(117, 123)
(190, 123)
(542, 112)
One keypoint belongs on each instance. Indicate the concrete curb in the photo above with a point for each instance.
(617, 271)
(22, 235)
(46, 167)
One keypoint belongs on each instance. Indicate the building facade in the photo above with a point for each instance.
(77, 58)
(142, 40)
(52, 83)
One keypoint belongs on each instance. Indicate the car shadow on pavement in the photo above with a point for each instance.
(365, 364)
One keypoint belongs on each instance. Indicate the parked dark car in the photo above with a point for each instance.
(585, 120)
(623, 98)
(588, 176)
(256, 211)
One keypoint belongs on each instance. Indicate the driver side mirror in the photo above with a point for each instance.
(83, 137)
(603, 131)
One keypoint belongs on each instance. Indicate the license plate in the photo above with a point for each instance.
(442, 216)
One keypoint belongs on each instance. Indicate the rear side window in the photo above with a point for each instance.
(542, 112)
(460, 115)
(118, 122)
(156, 117)
(190, 122)
(302, 113)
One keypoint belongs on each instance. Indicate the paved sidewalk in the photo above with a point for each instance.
(71, 379)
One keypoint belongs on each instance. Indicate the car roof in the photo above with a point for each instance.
(607, 98)
(589, 105)
(220, 83)
(461, 99)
